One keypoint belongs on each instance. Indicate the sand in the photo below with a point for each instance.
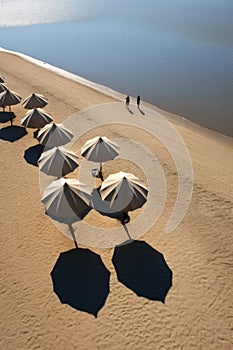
(197, 311)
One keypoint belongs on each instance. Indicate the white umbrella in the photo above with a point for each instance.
(100, 149)
(58, 161)
(9, 98)
(124, 191)
(35, 101)
(36, 118)
(54, 135)
(3, 87)
(66, 200)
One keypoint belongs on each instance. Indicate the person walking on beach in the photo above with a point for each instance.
(138, 101)
(127, 100)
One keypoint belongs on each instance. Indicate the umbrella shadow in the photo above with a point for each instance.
(81, 280)
(105, 209)
(7, 116)
(12, 133)
(35, 133)
(32, 154)
(143, 269)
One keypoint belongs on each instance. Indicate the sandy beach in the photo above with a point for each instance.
(197, 311)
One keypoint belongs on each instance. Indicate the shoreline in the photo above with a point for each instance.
(174, 118)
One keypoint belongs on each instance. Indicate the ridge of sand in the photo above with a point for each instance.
(197, 313)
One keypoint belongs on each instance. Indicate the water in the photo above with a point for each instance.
(176, 54)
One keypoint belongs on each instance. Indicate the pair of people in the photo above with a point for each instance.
(127, 100)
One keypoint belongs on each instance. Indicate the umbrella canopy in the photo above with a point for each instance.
(9, 98)
(58, 161)
(100, 149)
(124, 191)
(3, 87)
(35, 101)
(1, 79)
(36, 118)
(66, 199)
(54, 135)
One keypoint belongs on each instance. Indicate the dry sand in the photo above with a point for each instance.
(197, 313)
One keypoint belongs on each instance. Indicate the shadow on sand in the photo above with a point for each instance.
(81, 280)
(32, 154)
(143, 269)
(141, 111)
(12, 133)
(128, 109)
(35, 133)
(6, 117)
(105, 209)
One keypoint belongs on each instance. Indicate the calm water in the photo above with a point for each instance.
(176, 54)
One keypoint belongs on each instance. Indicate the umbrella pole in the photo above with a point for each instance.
(127, 231)
(101, 174)
(73, 235)
(124, 220)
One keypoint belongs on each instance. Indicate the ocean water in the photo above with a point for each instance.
(176, 54)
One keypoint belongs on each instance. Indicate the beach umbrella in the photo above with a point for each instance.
(100, 149)
(3, 87)
(1, 79)
(124, 191)
(66, 200)
(54, 135)
(36, 118)
(35, 101)
(58, 161)
(9, 98)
